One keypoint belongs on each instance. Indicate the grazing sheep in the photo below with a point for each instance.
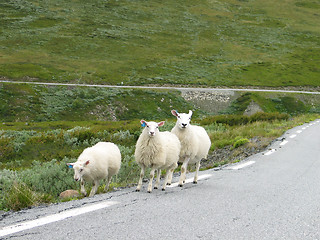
(157, 150)
(195, 143)
(100, 161)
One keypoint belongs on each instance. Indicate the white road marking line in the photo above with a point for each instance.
(299, 131)
(284, 142)
(293, 136)
(243, 165)
(189, 180)
(53, 218)
(270, 152)
(304, 128)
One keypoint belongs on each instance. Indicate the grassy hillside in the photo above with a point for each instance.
(27, 103)
(39, 103)
(210, 42)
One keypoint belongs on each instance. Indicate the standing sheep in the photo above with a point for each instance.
(95, 163)
(158, 150)
(195, 143)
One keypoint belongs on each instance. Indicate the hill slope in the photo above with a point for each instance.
(210, 42)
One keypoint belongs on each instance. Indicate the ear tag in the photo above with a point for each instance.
(143, 124)
(70, 166)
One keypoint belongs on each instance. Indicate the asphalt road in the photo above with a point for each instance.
(271, 195)
(165, 87)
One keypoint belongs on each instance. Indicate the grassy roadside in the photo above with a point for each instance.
(34, 170)
(213, 43)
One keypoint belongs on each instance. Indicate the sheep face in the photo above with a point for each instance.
(151, 127)
(79, 169)
(183, 119)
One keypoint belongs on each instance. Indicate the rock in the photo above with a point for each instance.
(69, 194)
(252, 109)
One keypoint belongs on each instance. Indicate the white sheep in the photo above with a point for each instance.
(195, 143)
(157, 150)
(95, 163)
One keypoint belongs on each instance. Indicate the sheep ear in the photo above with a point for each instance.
(161, 123)
(190, 113)
(87, 162)
(70, 165)
(174, 113)
(143, 123)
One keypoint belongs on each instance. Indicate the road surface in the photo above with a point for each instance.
(166, 87)
(271, 195)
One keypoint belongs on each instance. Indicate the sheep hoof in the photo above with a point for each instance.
(155, 188)
(149, 191)
(168, 184)
(137, 190)
(163, 189)
(195, 182)
(180, 185)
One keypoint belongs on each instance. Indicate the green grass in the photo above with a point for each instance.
(55, 104)
(290, 103)
(23, 102)
(210, 43)
(223, 134)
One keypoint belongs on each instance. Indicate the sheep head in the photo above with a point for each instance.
(79, 169)
(183, 119)
(151, 127)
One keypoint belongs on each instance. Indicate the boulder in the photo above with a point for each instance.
(69, 194)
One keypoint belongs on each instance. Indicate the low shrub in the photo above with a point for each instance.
(261, 116)
(20, 196)
(230, 120)
(7, 177)
(240, 142)
(50, 177)
(6, 149)
(129, 170)
(234, 120)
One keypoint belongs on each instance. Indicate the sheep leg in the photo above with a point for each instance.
(195, 180)
(170, 176)
(106, 188)
(94, 188)
(140, 179)
(158, 179)
(83, 190)
(168, 173)
(184, 168)
(151, 179)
